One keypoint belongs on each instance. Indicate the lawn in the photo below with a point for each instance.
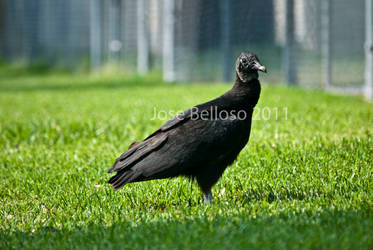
(304, 181)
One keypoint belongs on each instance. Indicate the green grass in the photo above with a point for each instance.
(304, 181)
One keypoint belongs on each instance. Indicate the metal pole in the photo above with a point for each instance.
(95, 34)
(225, 15)
(31, 12)
(142, 38)
(3, 29)
(369, 49)
(115, 44)
(168, 41)
(325, 42)
(289, 53)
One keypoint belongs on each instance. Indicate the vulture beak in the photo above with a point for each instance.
(263, 69)
(260, 67)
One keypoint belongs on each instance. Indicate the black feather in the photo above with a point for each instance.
(199, 142)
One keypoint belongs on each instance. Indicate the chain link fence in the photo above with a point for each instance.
(316, 43)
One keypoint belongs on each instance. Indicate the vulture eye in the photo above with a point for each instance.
(243, 60)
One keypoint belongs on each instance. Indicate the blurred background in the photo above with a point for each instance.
(312, 43)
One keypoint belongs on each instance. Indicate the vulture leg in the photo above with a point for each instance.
(207, 198)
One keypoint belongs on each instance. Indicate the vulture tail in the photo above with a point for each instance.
(122, 178)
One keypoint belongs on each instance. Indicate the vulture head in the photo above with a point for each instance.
(247, 66)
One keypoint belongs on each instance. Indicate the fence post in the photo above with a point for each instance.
(168, 40)
(95, 34)
(369, 49)
(289, 53)
(32, 12)
(115, 43)
(325, 43)
(142, 38)
(225, 15)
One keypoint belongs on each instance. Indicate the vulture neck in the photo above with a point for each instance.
(246, 93)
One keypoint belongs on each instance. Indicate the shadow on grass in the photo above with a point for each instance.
(283, 195)
(75, 87)
(74, 83)
(22, 69)
(209, 230)
(35, 78)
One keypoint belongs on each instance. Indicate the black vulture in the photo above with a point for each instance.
(200, 142)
